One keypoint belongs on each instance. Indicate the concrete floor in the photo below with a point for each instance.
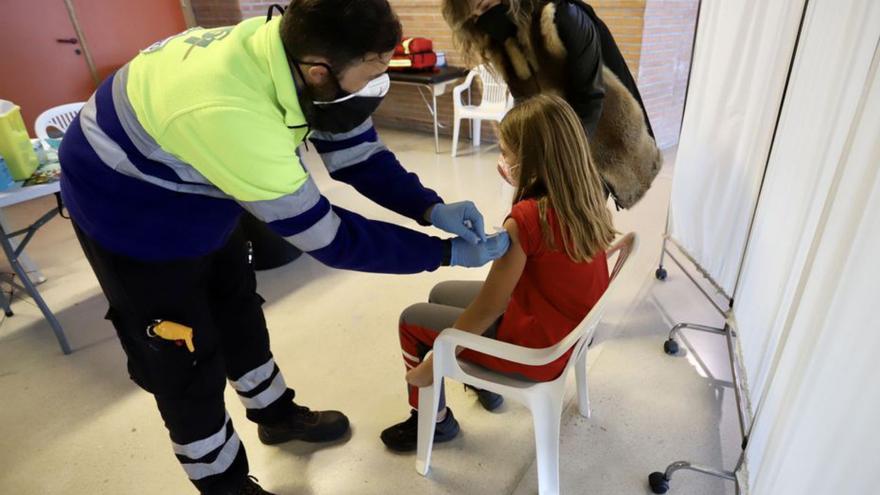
(76, 424)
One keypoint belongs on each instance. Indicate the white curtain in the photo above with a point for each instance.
(811, 277)
(824, 98)
(743, 52)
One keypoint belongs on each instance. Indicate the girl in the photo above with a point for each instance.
(548, 281)
(562, 47)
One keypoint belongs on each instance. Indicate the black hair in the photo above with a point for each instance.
(342, 31)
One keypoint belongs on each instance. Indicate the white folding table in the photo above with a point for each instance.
(28, 273)
(434, 81)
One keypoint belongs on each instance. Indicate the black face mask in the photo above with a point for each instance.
(338, 92)
(496, 23)
(341, 117)
(334, 116)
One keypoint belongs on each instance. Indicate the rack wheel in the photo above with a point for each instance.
(658, 482)
(661, 274)
(670, 347)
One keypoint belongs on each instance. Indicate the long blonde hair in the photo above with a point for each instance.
(474, 44)
(554, 167)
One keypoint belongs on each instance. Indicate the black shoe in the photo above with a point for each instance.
(403, 437)
(248, 487)
(489, 400)
(304, 424)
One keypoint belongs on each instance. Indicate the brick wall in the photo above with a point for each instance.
(625, 19)
(654, 36)
(251, 8)
(211, 13)
(666, 51)
(404, 106)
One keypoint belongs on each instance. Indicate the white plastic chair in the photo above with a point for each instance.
(494, 105)
(58, 117)
(544, 399)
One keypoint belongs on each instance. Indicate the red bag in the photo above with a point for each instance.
(413, 62)
(408, 46)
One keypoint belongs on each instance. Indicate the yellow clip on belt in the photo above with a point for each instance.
(168, 330)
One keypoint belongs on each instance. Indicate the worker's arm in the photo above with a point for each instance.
(251, 157)
(343, 239)
(361, 160)
(585, 90)
(489, 304)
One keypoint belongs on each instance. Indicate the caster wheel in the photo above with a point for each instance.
(670, 347)
(658, 482)
(9, 313)
(661, 274)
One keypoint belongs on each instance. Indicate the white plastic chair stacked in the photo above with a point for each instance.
(59, 117)
(495, 103)
(544, 399)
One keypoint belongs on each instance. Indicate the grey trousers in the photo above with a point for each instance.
(421, 323)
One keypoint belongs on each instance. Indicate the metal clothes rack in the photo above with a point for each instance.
(659, 481)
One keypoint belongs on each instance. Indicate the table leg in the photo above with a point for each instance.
(4, 303)
(15, 262)
(436, 131)
(30, 267)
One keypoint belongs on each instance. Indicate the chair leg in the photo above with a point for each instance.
(583, 386)
(475, 131)
(547, 417)
(429, 399)
(456, 127)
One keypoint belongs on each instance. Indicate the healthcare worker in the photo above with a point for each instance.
(195, 130)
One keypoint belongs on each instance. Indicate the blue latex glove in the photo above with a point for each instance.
(474, 255)
(462, 219)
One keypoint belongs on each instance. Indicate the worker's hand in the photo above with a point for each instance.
(474, 255)
(462, 219)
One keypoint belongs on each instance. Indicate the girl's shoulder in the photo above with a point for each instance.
(526, 209)
(527, 217)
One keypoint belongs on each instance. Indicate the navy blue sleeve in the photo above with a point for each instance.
(359, 158)
(342, 239)
(374, 246)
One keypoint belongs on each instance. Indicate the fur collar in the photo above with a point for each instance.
(550, 33)
(627, 157)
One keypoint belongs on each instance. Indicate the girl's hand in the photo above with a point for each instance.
(422, 375)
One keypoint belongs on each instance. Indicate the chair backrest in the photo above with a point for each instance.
(625, 248)
(495, 91)
(59, 117)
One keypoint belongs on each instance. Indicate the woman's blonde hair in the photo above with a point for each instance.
(553, 166)
(471, 41)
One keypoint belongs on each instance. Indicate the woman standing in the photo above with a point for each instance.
(561, 47)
